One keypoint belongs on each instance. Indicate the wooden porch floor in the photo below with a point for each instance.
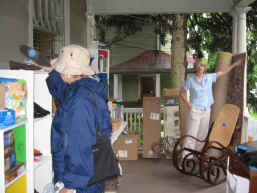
(159, 176)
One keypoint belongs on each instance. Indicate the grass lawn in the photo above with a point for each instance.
(253, 114)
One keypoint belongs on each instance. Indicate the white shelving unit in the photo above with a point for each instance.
(4, 185)
(39, 173)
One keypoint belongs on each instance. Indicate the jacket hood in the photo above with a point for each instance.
(95, 83)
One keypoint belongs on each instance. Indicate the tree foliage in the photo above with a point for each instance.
(252, 56)
(127, 25)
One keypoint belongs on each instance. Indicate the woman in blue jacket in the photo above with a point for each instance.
(82, 96)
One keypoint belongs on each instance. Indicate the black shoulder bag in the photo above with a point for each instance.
(105, 162)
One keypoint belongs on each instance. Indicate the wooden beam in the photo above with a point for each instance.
(113, 7)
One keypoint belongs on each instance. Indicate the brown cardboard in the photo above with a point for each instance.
(170, 92)
(151, 126)
(126, 147)
(2, 96)
(116, 124)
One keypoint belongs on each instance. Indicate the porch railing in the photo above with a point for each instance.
(134, 119)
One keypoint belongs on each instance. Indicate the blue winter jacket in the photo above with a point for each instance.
(73, 131)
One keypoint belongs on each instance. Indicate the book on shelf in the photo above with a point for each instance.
(11, 174)
(10, 161)
(8, 138)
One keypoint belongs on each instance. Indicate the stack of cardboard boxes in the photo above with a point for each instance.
(151, 126)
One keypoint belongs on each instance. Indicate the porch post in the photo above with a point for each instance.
(115, 86)
(90, 15)
(241, 43)
(67, 22)
(120, 87)
(157, 85)
(241, 46)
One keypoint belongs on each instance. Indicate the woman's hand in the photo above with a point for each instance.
(190, 106)
(239, 62)
(229, 68)
(66, 190)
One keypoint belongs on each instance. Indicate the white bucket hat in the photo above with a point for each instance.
(73, 60)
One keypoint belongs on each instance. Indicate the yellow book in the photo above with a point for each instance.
(18, 187)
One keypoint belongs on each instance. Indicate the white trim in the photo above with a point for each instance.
(46, 13)
(66, 22)
(239, 45)
(157, 85)
(115, 86)
(30, 22)
(40, 12)
(120, 96)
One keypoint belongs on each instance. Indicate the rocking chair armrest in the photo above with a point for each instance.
(190, 136)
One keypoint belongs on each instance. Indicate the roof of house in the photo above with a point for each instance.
(147, 61)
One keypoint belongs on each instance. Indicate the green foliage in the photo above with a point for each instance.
(208, 32)
(251, 58)
(127, 25)
(253, 114)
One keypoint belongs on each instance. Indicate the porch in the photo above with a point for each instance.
(159, 176)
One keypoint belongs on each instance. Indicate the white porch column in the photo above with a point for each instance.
(115, 86)
(91, 31)
(120, 97)
(241, 46)
(241, 29)
(67, 22)
(157, 85)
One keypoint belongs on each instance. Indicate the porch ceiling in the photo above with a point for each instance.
(112, 7)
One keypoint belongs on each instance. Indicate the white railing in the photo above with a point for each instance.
(134, 119)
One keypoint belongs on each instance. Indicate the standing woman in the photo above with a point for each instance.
(199, 86)
(82, 106)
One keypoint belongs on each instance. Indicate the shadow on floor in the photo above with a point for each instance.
(159, 176)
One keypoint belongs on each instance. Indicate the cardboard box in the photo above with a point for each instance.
(151, 126)
(116, 124)
(170, 92)
(126, 147)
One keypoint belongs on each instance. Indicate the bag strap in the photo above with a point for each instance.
(93, 98)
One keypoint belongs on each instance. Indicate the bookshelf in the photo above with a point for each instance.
(37, 133)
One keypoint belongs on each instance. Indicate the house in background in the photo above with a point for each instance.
(144, 75)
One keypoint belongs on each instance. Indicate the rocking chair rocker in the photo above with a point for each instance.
(210, 164)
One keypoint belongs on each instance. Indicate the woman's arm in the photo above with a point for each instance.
(229, 68)
(182, 94)
(56, 85)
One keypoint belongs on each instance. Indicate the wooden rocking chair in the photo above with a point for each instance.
(210, 164)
